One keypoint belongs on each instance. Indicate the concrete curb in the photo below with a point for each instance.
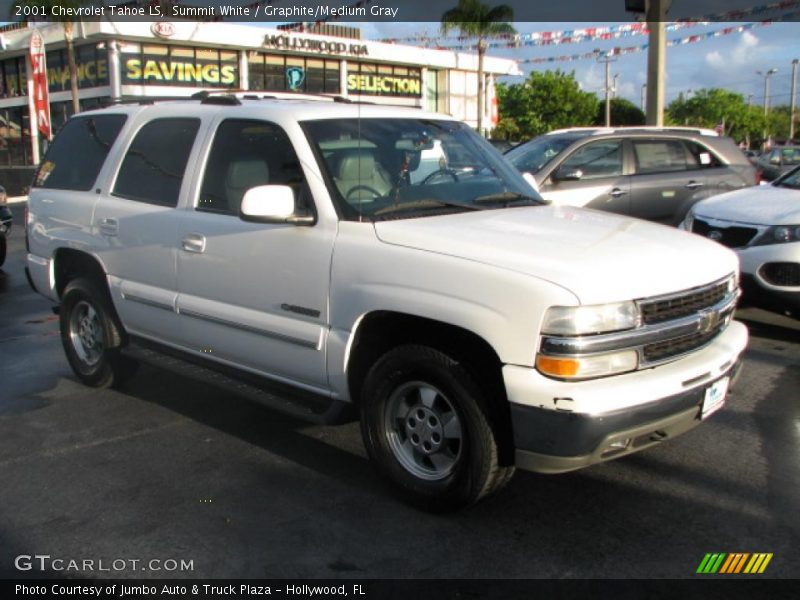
(17, 199)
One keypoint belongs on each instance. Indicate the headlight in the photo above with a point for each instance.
(778, 234)
(600, 318)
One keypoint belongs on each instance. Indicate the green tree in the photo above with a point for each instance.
(712, 107)
(475, 19)
(546, 101)
(623, 112)
(68, 25)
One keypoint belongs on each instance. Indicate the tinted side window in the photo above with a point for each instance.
(246, 154)
(154, 166)
(701, 157)
(598, 159)
(76, 156)
(659, 156)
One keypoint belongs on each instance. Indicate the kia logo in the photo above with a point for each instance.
(715, 235)
(163, 29)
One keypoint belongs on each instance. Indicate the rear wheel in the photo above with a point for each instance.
(92, 336)
(3, 246)
(425, 426)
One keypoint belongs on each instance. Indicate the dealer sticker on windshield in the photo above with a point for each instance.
(715, 397)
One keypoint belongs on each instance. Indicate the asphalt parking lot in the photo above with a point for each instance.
(170, 469)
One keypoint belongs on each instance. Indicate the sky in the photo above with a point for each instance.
(729, 61)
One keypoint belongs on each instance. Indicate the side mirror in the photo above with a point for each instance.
(531, 180)
(567, 174)
(271, 204)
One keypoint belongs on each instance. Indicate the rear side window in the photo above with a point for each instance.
(153, 168)
(701, 157)
(659, 156)
(76, 156)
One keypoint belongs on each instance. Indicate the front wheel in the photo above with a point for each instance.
(424, 424)
(92, 336)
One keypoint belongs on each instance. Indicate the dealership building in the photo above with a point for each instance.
(118, 61)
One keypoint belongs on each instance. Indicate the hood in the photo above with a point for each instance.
(599, 257)
(758, 205)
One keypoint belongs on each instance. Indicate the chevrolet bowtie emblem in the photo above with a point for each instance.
(709, 319)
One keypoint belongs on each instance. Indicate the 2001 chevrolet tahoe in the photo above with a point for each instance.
(387, 261)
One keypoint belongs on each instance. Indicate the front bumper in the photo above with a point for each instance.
(556, 442)
(562, 426)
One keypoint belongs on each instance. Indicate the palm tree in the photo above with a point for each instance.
(475, 19)
(68, 25)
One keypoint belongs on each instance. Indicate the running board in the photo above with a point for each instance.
(300, 404)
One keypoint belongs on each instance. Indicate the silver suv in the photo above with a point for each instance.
(655, 174)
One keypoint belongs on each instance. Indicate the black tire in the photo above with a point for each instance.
(417, 390)
(92, 335)
(3, 247)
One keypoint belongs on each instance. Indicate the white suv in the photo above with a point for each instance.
(294, 244)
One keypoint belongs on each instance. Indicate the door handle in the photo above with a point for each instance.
(194, 242)
(616, 193)
(693, 185)
(109, 227)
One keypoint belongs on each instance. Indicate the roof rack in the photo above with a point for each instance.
(635, 128)
(234, 97)
(222, 98)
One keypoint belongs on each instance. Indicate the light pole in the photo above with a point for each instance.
(644, 96)
(766, 75)
(614, 86)
(792, 102)
(607, 60)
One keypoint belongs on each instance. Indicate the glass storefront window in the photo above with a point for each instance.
(319, 76)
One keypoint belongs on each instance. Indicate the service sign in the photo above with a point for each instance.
(384, 85)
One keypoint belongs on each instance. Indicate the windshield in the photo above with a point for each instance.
(532, 156)
(790, 180)
(402, 168)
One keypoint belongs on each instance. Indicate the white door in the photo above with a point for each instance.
(254, 295)
(137, 221)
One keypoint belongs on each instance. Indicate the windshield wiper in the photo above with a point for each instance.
(424, 205)
(508, 197)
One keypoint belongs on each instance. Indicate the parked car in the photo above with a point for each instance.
(778, 161)
(655, 174)
(752, 155)
(5, 224)
(762, 224)
(290, 244)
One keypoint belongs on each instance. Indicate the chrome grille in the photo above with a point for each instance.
(653, 353)
(659, 310)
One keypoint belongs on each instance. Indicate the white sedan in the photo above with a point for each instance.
(762, 224)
